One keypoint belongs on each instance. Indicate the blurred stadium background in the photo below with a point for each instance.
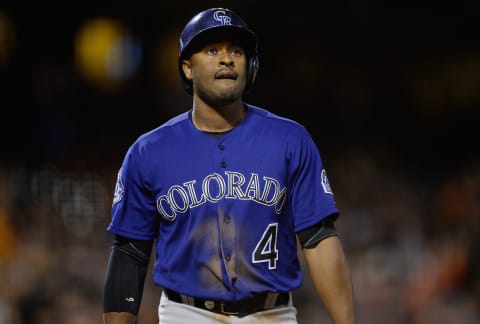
(389, 90)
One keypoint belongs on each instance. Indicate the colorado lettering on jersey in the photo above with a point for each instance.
(179, 198)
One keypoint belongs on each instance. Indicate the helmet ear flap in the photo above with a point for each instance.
(253, 66)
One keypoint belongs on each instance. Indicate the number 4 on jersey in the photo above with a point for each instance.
(266, 249)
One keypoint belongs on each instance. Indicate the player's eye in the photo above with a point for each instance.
(212, 51)
(237, 51)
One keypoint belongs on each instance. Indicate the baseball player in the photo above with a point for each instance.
(222, 192)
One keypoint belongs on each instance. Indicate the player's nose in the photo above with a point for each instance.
(225, 57)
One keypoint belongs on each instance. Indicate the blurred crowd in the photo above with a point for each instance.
(391, 97)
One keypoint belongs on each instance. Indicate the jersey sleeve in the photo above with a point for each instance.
(311, 195)
(133, 210)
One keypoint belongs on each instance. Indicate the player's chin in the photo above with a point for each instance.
(232, 90)
(227, 84)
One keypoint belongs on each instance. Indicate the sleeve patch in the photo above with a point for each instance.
(119, 188)
(325, 184)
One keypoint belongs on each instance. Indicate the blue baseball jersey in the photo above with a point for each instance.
(223, 212)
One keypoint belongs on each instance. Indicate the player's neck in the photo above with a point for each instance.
(220, 119)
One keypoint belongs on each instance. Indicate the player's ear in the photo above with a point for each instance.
(187, 69)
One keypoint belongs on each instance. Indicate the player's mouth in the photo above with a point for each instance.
(226, 74)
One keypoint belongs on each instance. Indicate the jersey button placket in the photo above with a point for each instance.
(227, 220)
(223, 163)
(225, 229)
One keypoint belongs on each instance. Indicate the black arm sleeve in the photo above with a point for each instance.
(125, 275)
(309, 237)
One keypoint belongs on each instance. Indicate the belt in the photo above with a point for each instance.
(239, 308)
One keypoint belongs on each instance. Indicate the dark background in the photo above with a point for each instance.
(390, 91)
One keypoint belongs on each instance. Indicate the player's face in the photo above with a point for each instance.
(218, 71)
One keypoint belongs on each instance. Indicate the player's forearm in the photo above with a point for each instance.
(331, 278)
(119, 318)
